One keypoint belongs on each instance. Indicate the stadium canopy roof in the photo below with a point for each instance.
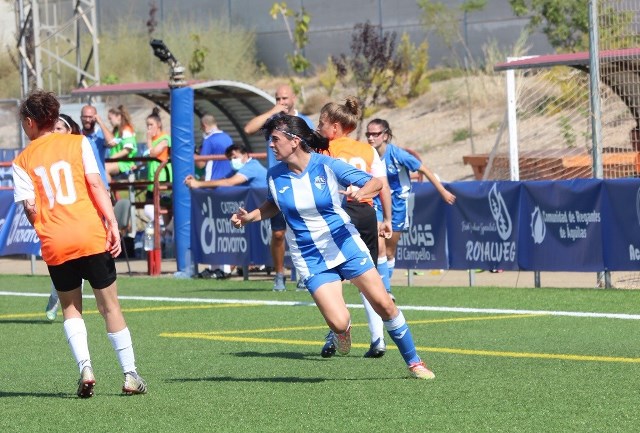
(231, 102)
(619, 69)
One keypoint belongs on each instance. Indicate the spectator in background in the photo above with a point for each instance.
(400, 164)
(121, 141)
(159, 147)
(215, 142)
(285, 104)
(246, 171)
(92, 128)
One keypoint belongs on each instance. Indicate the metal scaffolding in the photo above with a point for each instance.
(57, 39)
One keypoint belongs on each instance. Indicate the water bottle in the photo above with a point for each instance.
(148, 236)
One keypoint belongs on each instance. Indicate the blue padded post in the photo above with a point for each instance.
(182, 149)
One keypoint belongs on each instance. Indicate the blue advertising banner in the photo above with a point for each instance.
(259, 233)
(482, 227)
(424, 244)
(17, 235)
(561, 226)
(216, 239)
(621, 235)
(6, 215)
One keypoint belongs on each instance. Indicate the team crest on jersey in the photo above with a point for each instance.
(320, 182)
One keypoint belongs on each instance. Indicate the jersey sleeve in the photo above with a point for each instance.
(378, 168)
(129, 141)
(23, 188)
(348, 174)
(89, 158)
(407, 159)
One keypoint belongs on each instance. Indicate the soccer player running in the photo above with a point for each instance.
(325, 247)
(399, 164)
(286, 104)
(336, 122)
(56, 178)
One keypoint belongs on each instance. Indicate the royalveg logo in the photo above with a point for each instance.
(492, 251)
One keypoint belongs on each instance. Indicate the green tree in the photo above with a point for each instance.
(198, 56)
(444, 20)
(299, 36)
(373, 65)
(564, 22)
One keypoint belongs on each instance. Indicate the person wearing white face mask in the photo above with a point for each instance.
(247, 171)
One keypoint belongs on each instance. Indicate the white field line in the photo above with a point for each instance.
(620, 316)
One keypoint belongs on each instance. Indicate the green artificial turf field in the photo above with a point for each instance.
(233, 356)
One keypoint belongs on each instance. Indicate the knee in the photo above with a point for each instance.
(339, 324)
(277, 236)
(385, 308)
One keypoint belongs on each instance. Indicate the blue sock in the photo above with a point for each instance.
(391, 265)
(384, 273)
(401, 335)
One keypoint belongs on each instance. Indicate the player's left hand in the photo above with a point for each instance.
(113, 245)
(384, 229)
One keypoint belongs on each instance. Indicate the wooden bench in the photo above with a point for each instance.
(554, 164)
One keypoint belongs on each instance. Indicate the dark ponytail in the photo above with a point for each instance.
(293, 125)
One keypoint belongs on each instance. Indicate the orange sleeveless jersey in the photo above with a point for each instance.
(68, 224)
(358, 154)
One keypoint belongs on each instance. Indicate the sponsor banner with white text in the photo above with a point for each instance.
(424, 245)
(561, 226)
(621, 206)
(17, 235)
(482, 226)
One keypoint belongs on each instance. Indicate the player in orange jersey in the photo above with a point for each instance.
(336, 122)
(56, 178)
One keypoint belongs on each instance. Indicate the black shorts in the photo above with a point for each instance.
(363, 217)
(278, 223)
(98, 269)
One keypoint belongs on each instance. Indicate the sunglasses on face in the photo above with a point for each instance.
(374, 134)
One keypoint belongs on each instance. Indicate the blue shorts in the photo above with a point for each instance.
(399, 216)
(355, 266)
(278, 223)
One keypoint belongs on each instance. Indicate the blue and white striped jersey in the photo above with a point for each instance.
(320, 234)
(400, 164)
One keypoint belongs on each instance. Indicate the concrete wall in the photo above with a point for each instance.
(332, 24)
(331, 27)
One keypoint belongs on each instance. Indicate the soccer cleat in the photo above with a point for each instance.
(377, 349)
(86, 383)
(343, 342)
(300, 287)
(278, 283)
(420, 371)
(329, 349)
(133, 384)
(52, 310)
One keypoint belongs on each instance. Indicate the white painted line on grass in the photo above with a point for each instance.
(621, 316)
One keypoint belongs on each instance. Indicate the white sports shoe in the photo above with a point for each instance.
(86, 383)
(134, 384)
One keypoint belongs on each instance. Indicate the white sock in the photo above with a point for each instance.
(376, 326)
(76, 333)
(121, 342)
